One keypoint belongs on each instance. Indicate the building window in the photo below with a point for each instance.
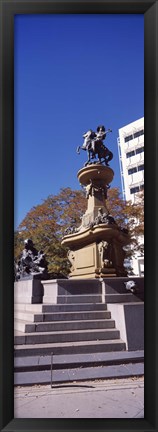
(133, 152)
(141, 167)
(139, 150)
(139, 133)
(135, 169)
(132, 170)
(128, 138)
(135, 135)
(129, 154)
(134, 190)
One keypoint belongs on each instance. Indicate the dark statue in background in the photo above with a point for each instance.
(31, 262)
(93, 144)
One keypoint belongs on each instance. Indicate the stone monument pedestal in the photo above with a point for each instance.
(29, 290)
(96, 247)
(86, 263)
(72, 296)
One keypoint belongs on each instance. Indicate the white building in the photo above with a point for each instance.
(131, 157)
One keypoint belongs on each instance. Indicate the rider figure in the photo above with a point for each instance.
(93, 144)
(99, 136)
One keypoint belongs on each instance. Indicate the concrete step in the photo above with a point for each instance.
(69, 348)
(66, 336)
(81, 374)
(28, 316)
(27, 307)
(62, 316)
(83, 298)
(74, 307)
(37, 363)
(70, 367)
(24, 326)
(64, 307)
(121, 298)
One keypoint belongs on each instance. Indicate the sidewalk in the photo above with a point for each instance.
(116, 398)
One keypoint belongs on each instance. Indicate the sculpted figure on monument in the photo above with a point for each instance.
(88, 189)
(72, 228)
(71, 257)
(93, 144)
(31, 261)
(92, 187)
(105, 218)
(105, 250)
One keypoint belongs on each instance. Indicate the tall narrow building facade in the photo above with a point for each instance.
(131, 157)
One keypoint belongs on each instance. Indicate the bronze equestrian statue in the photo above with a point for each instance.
(93, 144)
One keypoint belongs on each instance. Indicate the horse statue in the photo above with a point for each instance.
(93, 144)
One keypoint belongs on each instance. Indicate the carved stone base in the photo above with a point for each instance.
(86, 262)
(96, 247)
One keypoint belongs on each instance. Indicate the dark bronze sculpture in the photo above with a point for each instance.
(31, 262)
(93, 144)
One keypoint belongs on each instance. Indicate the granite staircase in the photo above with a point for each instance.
(76, 338)
(41, 329)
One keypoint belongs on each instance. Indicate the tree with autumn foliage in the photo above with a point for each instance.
(45, 224)
(135, 214)
(130, 216)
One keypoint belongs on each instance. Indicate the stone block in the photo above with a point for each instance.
(129, 319)
(117, 285)
(50, 291)
(53, 288)
(114, 290)
(28, 291)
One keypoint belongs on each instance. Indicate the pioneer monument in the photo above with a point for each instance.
(97, 310)
(96, 246)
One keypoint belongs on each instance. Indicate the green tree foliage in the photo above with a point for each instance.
(45, 224)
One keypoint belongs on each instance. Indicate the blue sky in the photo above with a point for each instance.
(71, 73)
